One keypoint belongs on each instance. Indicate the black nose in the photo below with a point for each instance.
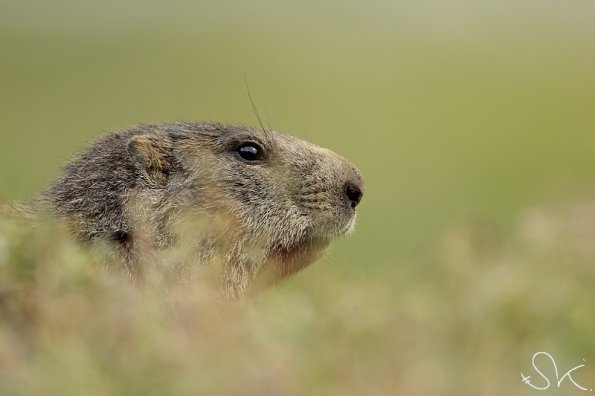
(354, 194)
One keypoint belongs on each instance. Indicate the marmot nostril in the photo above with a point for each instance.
(354, 194)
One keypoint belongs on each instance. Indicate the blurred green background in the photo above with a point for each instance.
(456, 113)
(452, 110)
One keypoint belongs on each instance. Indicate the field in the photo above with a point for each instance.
(473, 126)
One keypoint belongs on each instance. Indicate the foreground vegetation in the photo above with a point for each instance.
(464, 319)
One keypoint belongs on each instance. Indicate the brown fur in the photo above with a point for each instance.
(154, 187)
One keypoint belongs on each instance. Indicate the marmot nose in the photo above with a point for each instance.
(354, 194)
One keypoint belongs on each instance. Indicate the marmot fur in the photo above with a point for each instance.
(266, 202)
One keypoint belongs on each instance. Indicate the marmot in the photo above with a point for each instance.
(266, 202)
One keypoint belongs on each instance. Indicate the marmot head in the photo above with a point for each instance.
(258, 190)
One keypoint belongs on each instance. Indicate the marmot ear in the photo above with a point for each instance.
(152, 152)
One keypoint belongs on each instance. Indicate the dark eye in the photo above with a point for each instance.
(250, 151)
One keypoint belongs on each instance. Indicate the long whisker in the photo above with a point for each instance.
(266, 113)
(267, 134)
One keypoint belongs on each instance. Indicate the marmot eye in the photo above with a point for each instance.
(250, 151)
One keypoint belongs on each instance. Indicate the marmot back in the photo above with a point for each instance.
(266, 202)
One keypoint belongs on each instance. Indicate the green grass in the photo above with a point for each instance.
(465, 320)
(464, 118)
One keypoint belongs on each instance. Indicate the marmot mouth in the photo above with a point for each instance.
(336, 230)
(350, 226)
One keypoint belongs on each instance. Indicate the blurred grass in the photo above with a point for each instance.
(463, 319)
(456, 113)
